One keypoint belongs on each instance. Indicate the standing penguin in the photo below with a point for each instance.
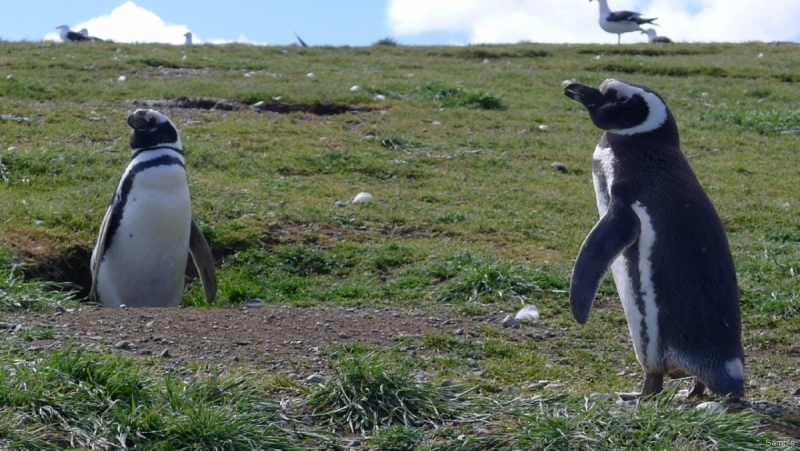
(664, 242)
(148, 231)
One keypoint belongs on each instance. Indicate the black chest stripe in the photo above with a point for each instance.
(160, 146)
(121, 196)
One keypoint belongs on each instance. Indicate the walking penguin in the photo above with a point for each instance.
(148, 231)
(664, 242)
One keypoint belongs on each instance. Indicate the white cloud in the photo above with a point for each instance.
(495, 21)
(130, 22)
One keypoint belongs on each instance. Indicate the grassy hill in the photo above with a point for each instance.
(456, 145)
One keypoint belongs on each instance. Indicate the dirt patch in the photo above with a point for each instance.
(317, 108)
(279, 338)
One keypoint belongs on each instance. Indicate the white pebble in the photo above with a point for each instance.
(183, 58)
(259, 105)
(9, 77)
(310, 75)
(122, 78)
(380, 97)
(543, 127)
(355, 88)
(760, 55)
(362, 197)
(248, 75)
(436, 123)
(528, 313)
(597, 57)
(712, 406)
(12, 148)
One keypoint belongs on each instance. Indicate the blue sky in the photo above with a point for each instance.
(410, 22)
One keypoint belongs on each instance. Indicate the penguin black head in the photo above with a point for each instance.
(152, 128)
(622, 108)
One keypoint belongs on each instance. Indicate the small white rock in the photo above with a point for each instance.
(277, 98)
(597, 57)
(315, 378)
(528, 313)
(259, 105)
(254, 303)
(380, 97)
(9, 77)
(12, 148)
(712, 406)
(436, 123)
(355, 88)
(567, 82)
(122, 78)
(248, 75)
(362, 197)
(183, 58)
(543, 127)
(339, 203)
(760, 55)
(310, 75)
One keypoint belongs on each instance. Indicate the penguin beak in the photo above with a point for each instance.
(586, 95)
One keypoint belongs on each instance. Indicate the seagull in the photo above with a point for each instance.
(302, 42)
(188, 36)
(84, 32)
(620, 21)
(68, 35)
(651, 36)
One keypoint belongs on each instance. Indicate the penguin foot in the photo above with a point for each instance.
(653, 384)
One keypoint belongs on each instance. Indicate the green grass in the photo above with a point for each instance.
(468, 214)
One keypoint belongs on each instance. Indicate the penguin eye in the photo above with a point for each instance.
(623, 98)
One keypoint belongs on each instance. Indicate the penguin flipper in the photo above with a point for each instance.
(201, 255)
(616, 230)
(99, 251)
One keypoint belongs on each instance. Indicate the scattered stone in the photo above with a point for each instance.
(559, 166)
(9, 77)
(122, 78)
(448, 383)
(513, 391)
(124, 345)
(362, 197)
(97, 119)
(339, 203)
(772, 376)
(713, 406)
(510, 322)
(436, 123)
(796, 392)
(343, 335)
(528, 313)
(164, 354)
(354, 444)
(754, 383)
(11, 149)
(536, 386)
(481, 432)
(260, 105)
(355, 88)
(310, 75)
(543, 127)
(61, 309)
(315, 378)
(254, 303)
(380, 97)
(629, 396)
(459, 331)
(602, 397)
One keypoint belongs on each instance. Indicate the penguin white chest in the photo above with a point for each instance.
(634, 279)
(145, 261)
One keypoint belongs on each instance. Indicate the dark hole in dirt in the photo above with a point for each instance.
(318, 108)
(73, 268)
